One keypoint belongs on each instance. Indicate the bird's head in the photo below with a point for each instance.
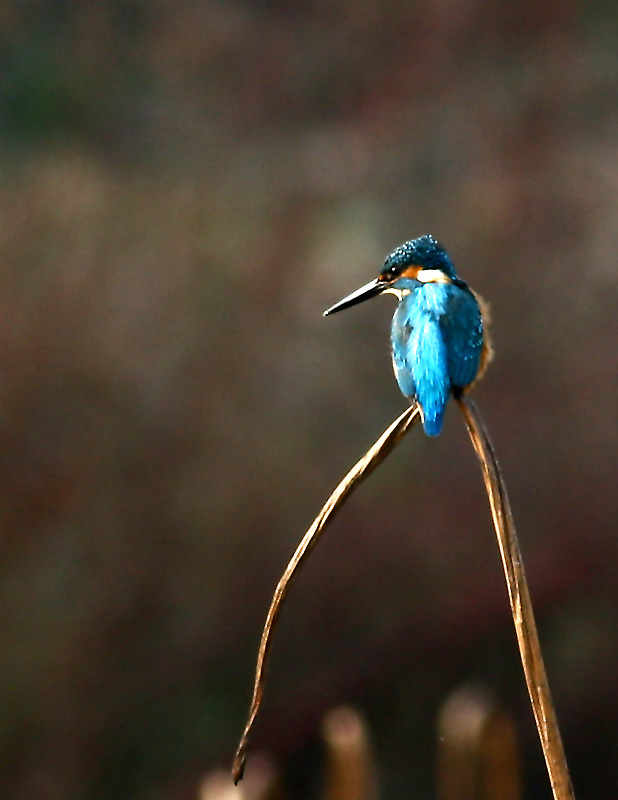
(421, 260)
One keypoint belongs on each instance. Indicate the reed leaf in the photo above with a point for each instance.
(374, 456)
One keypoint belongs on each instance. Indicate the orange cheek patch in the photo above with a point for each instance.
(411, 272)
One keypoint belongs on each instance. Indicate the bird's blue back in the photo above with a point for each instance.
(437, 339)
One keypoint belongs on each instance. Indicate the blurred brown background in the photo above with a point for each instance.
(184, 187)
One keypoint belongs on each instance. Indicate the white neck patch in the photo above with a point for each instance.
(433, 276)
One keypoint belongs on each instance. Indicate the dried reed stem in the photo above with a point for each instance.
(478, 753)
(521, 606)
(355, 476)
(350, 761)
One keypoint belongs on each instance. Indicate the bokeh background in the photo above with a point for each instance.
(184, 187)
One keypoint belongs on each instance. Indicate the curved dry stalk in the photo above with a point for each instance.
(374, 456)
(521, 606)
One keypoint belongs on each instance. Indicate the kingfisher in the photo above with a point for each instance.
(440, 343)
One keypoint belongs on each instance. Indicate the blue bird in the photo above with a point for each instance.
(439, 332)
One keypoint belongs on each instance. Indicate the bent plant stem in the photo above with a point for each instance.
(521, 606)
(374, 456)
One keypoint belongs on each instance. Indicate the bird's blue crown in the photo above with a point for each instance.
(425, 252)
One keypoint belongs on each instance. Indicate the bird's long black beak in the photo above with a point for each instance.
(371, 289)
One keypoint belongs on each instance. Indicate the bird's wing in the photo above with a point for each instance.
(462, 330)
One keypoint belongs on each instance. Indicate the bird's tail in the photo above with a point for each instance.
(433, 421)
(433, 385)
